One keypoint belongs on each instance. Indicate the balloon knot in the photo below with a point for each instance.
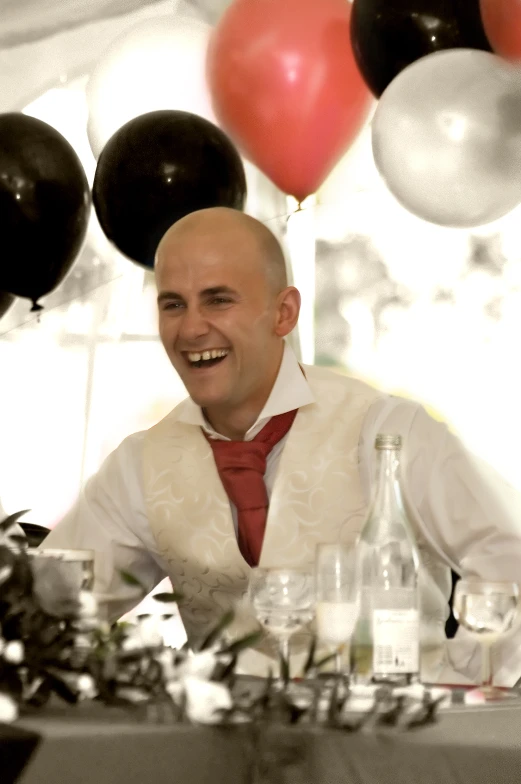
(36, 307)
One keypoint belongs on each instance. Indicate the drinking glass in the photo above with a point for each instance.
(60, 575)
(486, 609)
(283, 602)
(336, 597)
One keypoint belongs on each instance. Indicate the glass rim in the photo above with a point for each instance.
(65, 554)
(487, 584)
(281, 569)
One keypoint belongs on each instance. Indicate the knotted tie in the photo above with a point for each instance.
(241, 466)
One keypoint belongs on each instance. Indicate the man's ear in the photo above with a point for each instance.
(288, 309)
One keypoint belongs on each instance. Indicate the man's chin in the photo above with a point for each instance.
(206, 400)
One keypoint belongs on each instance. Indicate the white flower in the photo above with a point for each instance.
(362, 698)
(14, 652)
(176, 690)
(82, 642)
(87, 686)
(415, 691)
(166, 660)
(86, 625)
(132, 694)
(204, 699)
(88, 605)
(145, 634)
(200, 665)
(8, 709)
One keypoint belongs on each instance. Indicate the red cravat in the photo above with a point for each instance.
(241, 466)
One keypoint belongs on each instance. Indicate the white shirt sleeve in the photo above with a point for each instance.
(467, 512)
(109, 518)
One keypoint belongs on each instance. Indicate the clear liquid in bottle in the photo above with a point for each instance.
(386, 641)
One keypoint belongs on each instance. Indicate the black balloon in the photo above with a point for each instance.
(158, 168)
(6, 300)
(44, 206)
(389, 35)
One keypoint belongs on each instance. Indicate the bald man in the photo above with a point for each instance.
(266, 458)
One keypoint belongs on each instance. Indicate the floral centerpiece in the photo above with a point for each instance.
(52, 643)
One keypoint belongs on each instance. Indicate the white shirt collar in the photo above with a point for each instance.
(290, 391)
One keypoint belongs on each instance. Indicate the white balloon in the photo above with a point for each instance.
(157, 64)
(446, 137)
(161, 64)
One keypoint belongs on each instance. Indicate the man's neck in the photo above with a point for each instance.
(234, 425)
(235, 421)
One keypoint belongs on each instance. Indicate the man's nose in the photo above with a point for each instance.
(193, 324)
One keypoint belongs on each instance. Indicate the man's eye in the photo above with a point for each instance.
(220, 301)
(172, 305)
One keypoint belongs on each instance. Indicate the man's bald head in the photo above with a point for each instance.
(223, 301)
(225, 224)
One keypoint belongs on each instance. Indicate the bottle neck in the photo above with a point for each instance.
(387, 490)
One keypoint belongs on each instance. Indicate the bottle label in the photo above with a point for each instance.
(396, 641)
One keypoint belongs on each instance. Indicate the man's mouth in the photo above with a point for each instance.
(207, 358)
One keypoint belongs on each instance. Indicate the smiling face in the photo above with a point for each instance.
(223, 312)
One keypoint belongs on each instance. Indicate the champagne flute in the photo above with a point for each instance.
(486, 609)
(336, 596)
(283, 602)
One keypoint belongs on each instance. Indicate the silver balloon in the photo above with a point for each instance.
(446, 137)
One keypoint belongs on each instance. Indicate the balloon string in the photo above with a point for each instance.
(298, 208)
(66, 302)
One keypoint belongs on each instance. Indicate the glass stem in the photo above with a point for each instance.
(486, 665)
(284, 653)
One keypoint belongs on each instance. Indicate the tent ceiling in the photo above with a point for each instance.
(24, 21)
(45, 41)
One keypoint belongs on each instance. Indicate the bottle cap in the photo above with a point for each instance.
(386, 441)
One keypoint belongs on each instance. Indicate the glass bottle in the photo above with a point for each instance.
(386, 641)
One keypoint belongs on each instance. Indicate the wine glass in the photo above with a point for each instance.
(283, 602)
(60, 577)
(336, 596)
(486, 609)
(75, 566)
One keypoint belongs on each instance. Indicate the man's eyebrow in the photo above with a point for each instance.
(216, 290)
(168, 295)
(213, 291)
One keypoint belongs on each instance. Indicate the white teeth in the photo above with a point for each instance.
(214, 353)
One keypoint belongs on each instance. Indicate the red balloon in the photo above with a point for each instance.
(502, 23)
(286, 88)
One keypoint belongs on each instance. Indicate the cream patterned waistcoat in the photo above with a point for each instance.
(317, 497)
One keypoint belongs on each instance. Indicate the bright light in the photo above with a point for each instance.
(300, 241)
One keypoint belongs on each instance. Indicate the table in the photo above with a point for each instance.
(91, 744)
